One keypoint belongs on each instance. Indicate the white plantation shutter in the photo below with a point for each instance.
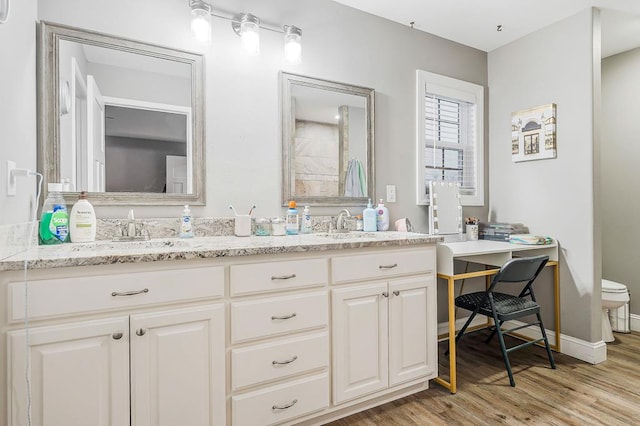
(449, 138)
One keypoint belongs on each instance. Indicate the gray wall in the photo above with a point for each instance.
(242, 101)
(619, 173)
(138, 165)
(18, 107)
(553, 197)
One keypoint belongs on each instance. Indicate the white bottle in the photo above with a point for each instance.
(82, 221)
(382, 217)
(306, 227)
(186, 226)
(369, 218)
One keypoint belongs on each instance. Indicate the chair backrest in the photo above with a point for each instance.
(522, 269)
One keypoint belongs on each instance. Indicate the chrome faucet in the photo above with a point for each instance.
(131, 230)
(340, 222)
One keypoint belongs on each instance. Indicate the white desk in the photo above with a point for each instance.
(492, 253)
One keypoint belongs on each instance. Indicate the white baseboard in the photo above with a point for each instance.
(593, 353)
(635, 322)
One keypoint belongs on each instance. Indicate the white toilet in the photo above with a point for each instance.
(614, 295)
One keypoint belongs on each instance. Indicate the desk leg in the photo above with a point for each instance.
(451, 384)
(556, 289)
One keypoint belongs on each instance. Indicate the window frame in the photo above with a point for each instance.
(451, 88)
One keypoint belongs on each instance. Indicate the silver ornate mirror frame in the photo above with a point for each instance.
(50, 35)
(287, 83)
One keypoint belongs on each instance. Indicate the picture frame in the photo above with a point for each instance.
(533, 133)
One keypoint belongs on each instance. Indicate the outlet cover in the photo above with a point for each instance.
(391, 193)
(11, 180)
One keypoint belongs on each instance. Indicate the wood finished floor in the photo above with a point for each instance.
(576, 393)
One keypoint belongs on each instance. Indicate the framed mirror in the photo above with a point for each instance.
(327, 142)
(121, 119)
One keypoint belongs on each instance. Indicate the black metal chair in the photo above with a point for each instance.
(505, 307)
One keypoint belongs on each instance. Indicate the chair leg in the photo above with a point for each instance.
(546, 343)
(505, 356)
(462, 330)
(493, 332)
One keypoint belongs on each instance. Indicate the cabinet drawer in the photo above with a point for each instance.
(271, 361)
(268, 406)
(267, 317)
(66, 296)
(275, 276)
(381, 265)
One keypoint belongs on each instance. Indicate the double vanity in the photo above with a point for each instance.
(218, 330)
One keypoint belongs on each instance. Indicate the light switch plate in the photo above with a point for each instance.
(391, 193)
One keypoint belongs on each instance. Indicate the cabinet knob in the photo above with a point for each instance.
(141, 331)
(284, 407)
(117, 336)
(385, 294)
(396, 293)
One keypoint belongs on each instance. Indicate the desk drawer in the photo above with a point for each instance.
(71, 295)
(268, 406)
(277, 360)
(276, 276)
(269, 317)
(382, 265)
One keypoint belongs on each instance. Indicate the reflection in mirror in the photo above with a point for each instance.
(327, 142)
(127, 121)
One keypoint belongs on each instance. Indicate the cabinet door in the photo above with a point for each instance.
(412, 330)
(79, 374)
(360, 345)
(177, 367)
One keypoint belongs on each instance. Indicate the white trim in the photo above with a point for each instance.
(455, 89)
(593, 353)
(635, 322)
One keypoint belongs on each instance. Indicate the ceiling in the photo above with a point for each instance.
(474, 22)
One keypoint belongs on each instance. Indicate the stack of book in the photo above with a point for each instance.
(500, 231)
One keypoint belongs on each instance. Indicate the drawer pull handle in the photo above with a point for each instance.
(385, 294)
(130, 293)
(284, 407)
(396, 293)
(141, 331)
(287, 361)
(283, 277)
(283, 317)
(388, 266)
(117, 336)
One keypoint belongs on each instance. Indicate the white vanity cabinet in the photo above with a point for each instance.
(280, 340)
(384, 327)
(142, 366)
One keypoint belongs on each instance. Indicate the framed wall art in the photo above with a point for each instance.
(533, 133)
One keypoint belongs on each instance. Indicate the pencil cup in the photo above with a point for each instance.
(242, 225)
(472, 232)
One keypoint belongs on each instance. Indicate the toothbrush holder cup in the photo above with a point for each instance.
(242, 225)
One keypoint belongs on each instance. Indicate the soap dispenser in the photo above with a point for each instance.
(186, 226)
(369, 218)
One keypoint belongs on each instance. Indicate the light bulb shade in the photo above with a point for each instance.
(250, 33)
(292, 44)
(201, 20)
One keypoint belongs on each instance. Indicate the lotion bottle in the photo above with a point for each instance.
(186, 227)
(82, 221)
(382, 217)
(369, 218)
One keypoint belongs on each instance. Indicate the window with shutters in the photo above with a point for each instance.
(450, 136)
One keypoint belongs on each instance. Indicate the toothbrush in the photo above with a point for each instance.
(252, 207)
(234, 210)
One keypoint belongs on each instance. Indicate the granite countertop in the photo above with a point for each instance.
(109, 252)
